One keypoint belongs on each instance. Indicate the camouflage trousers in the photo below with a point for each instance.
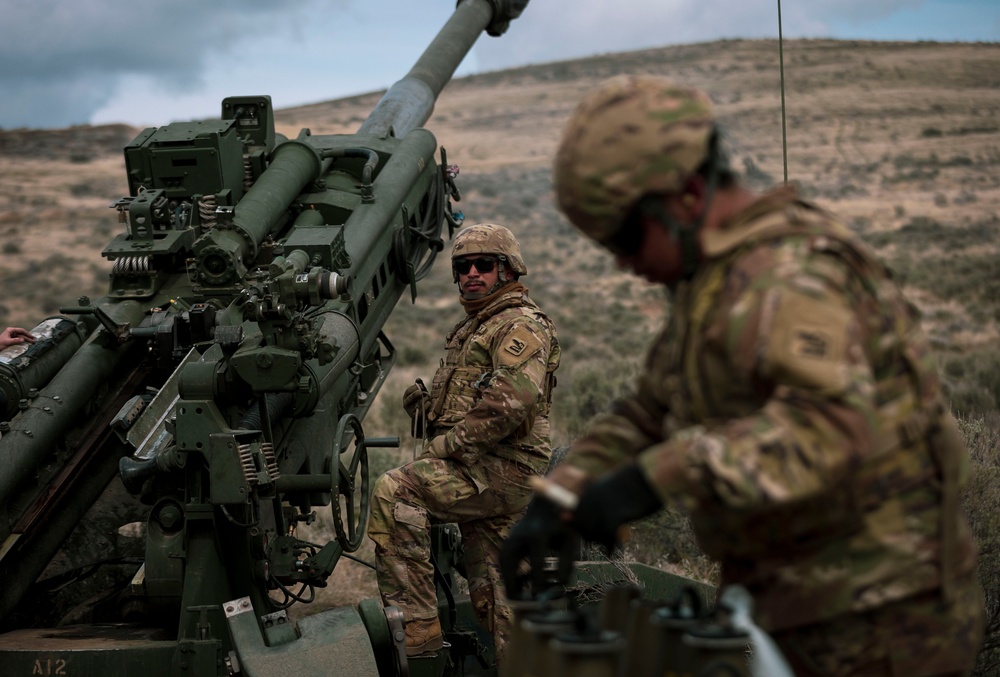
(917, 637)
(407, 500)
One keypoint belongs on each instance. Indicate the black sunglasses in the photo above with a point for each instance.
(483, 265)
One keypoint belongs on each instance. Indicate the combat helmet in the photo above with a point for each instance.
(632, 136)
(490, 238)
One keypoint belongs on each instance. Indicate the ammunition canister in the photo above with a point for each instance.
(523, 608)
(588, 655)
(673, 655)
(539, 629)
(640, 636)
(615, 607)
(718, 650)
(673, 621)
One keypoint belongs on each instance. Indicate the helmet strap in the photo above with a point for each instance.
(686, 234)
(501, 279)
(501, 270)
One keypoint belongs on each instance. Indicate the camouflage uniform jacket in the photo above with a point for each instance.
(795, 392)
(492, 393)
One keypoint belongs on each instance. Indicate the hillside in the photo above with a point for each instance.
(902, 139)
(898, 137)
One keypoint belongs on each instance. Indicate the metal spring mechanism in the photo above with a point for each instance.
(206, 211)
(272, 463)
(258, 462)
(131, 265)
(248, 174)
(245, 452)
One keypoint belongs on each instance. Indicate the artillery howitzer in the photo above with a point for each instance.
(159, 445)
(216, 394)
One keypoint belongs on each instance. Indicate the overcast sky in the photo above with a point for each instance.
(148, 63)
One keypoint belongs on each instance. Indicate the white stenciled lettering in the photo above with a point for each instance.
(49, 667)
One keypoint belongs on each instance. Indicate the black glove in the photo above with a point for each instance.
(615, 499)
(540, 534)
(416, 399)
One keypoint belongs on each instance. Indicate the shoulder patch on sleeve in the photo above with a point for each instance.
(517, 346)
(808, 342)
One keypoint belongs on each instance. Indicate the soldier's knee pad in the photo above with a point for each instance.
(382, 499)
(385, 488)
(411, 532)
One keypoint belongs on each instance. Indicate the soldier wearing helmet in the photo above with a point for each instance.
(485, 426)
(791, 404)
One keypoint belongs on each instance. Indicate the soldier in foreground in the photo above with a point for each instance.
(790, 405)
(486, 422)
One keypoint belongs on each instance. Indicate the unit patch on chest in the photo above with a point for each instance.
(517, 347)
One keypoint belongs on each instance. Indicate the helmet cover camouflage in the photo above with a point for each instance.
(489, 238)
(632, 136)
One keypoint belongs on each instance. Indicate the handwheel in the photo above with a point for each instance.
(350, 538)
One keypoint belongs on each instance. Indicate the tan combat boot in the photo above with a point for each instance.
(423, 635)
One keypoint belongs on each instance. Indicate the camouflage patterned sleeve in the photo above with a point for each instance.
(795, 336)
(630, 424)
(614, 437)
(520, 351)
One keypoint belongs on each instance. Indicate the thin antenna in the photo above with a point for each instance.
(781, 62)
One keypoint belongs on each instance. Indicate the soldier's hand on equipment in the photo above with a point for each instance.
(416, 399)
(611, 502)
(416, 402)
(540, 538)
(12, 336)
